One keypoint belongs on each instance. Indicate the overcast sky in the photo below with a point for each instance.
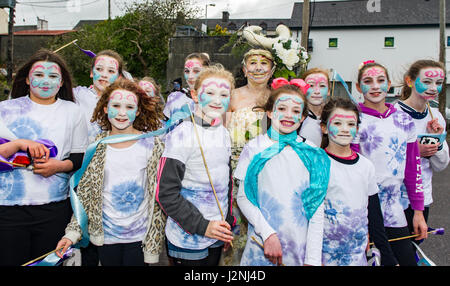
(65, 14)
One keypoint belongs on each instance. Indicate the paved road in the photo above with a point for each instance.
(437, 247)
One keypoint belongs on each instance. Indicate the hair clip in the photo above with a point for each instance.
(281, 81)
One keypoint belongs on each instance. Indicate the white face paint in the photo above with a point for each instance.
(374, 84)
(192, 69)
(214, 96)
(45, 79)
(258, 68)
(342, 127)
(287, 113)
(318, 91)
(428, 84)
(105, 72)
(148, 87)
(122, 109)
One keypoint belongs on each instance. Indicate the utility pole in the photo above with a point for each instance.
(109, 9)
(305, 24)
(442, 56)
(10, 52)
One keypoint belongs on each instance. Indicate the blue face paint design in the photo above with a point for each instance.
(112, 112)
(365, 88)
(113, 78)
(353, 132)
(131, 115)
(279, 116)
(204, 99)
(96, 76)
(384, 87)
(333, 130)
(420, 86)
(45, 79)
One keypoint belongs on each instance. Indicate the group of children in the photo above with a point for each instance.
(326, 178)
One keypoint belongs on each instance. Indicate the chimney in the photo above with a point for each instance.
(225, 16)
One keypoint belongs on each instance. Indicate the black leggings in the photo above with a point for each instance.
(27, 232)
(403, 249)
(121, 254)
(212, 259)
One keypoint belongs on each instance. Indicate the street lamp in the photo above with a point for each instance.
(206, 15)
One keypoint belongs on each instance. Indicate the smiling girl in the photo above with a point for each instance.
(118, 188)
(34, 204)
(195, 230)
(352, 206)
(316, 97)
(387, 136)
(423, 83)
(283, 181)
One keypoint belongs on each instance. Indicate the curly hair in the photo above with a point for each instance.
(149, 111)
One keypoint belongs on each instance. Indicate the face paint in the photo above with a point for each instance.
(318, 91)
(374, 84)
(148, 87)
(287, 113)
(428, 84)
(192, 69)
(258, 68)
(214, 96)
(45, 79)
(105, 72)
(122, 109)
(341, 127)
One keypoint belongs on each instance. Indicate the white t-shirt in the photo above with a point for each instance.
(87, 99)
(383, 141)
(181, 144)
(311, 130)
(280, 185)
(346, 224)
(125, 200)
(60, 122)
(437, 162)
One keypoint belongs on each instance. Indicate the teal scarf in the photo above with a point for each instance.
(314, 159)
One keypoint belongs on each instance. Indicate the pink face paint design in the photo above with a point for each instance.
(148, 87)
(287, 113)
(45, 79)
(214, 97)
(105, 72)
(122, 109)
(342, 127)
(318, 91)
(192, 69)
(374, 84)
(429, 83)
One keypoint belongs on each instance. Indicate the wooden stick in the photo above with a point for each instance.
(206, 167)
(429, 109)
(66, 45)
(405, 237)
(262, 246)
(41, 257)
(13, 164)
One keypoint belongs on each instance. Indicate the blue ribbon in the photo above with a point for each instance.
(78, 209)
(315, 160)
(341, 80)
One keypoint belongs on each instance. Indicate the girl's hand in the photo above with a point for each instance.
(420, 225)
(64, 243)
(434, 127)
(37, 150)
(46, 167)
(272, 249)
(220, 230)
(428, 150)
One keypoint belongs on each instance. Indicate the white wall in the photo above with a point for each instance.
(358, 45)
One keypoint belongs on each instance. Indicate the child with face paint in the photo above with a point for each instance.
(387, 136)
(195, 230)
(41, 115)
(106, 68)
(316, 97)
(193, 65)
(283, 182)
(352, 206)
(244, 123)
(118, 188)
(423, 82)
(152, 89)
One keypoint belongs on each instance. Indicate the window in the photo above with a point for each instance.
(448, 41)
(389, 42)
(332, 42)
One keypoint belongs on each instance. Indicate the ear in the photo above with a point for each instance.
(408, 81)
(27, 80)
(194, 95)
(270, 114)
(91, 74)
(244, 69)
(323, 128)
(105, 109)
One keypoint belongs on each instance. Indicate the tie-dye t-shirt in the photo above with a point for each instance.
(125, 201)
(60, 122)
(181, 144)
(311, 130)
(175, 101)
(281, 183)
(383, 140)
(87, 99)
(346, 224)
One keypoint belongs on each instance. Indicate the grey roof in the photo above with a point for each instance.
(355, 13)
(81, 23)
(234, 24)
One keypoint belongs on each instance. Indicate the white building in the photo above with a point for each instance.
(394, 33)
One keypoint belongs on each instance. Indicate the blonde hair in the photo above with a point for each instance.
(258, 52)
(216, 70)
(152, 81)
